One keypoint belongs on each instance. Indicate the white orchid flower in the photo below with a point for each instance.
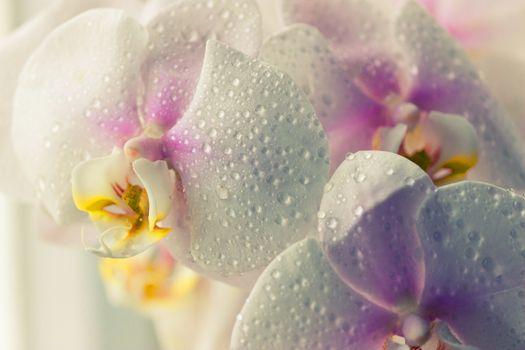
(154, 133)
(399, 264)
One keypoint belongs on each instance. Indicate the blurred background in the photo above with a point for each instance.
(51, 296)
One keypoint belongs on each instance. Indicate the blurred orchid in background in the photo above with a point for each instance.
(382, 75)
(400, 265)
(189, 311)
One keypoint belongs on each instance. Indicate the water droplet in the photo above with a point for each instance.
(410, 181)
(359, 177)
(56, 127)
(328, 187)
(487, 263)
(192, 36)
(350, 156)
(206, 148)
(473, 236)
(222, 192)
(284, 198)
(260, 110)
(332, 223)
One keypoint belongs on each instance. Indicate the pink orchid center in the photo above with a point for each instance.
(417, 333)
(416, 330)
(443, 145)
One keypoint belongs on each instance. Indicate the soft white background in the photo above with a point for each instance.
(50, 296)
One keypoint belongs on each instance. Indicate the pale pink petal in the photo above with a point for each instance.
(300, 303)
(252, 158)
(14, 52)
(473, 240)
(178, 36)
(348, 116)
(366, 222)
(76, 99)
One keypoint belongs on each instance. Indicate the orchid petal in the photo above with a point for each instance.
(350, 26)
(455, 141)
(474, 243)
(94, 181)
(252, 159)
(64, 235)
(14, 51)
(368, 236)
(159, 183)
(303, 53)
(86, 112)
(349, 117)
(177, 41)
(389, 139)
(505, 76)
(447, 82)
(446, 337)
(299, 302)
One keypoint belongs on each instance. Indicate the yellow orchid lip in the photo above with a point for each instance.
(125, 200)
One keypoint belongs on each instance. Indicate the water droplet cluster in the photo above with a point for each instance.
(301, 303)
(253, 159)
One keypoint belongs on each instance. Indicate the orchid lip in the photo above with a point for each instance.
(443, 145)
(126, 200)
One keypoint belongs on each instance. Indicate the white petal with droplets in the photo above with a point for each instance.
(300, 303)
(178, 37)
(252, 157)
(14, 52)
(474, 243)
(58, 122)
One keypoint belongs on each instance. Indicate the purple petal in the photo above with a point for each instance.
(473, 239)
(367, 218)
(178, 38)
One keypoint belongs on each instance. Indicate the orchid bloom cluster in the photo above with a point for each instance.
(173, 121)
